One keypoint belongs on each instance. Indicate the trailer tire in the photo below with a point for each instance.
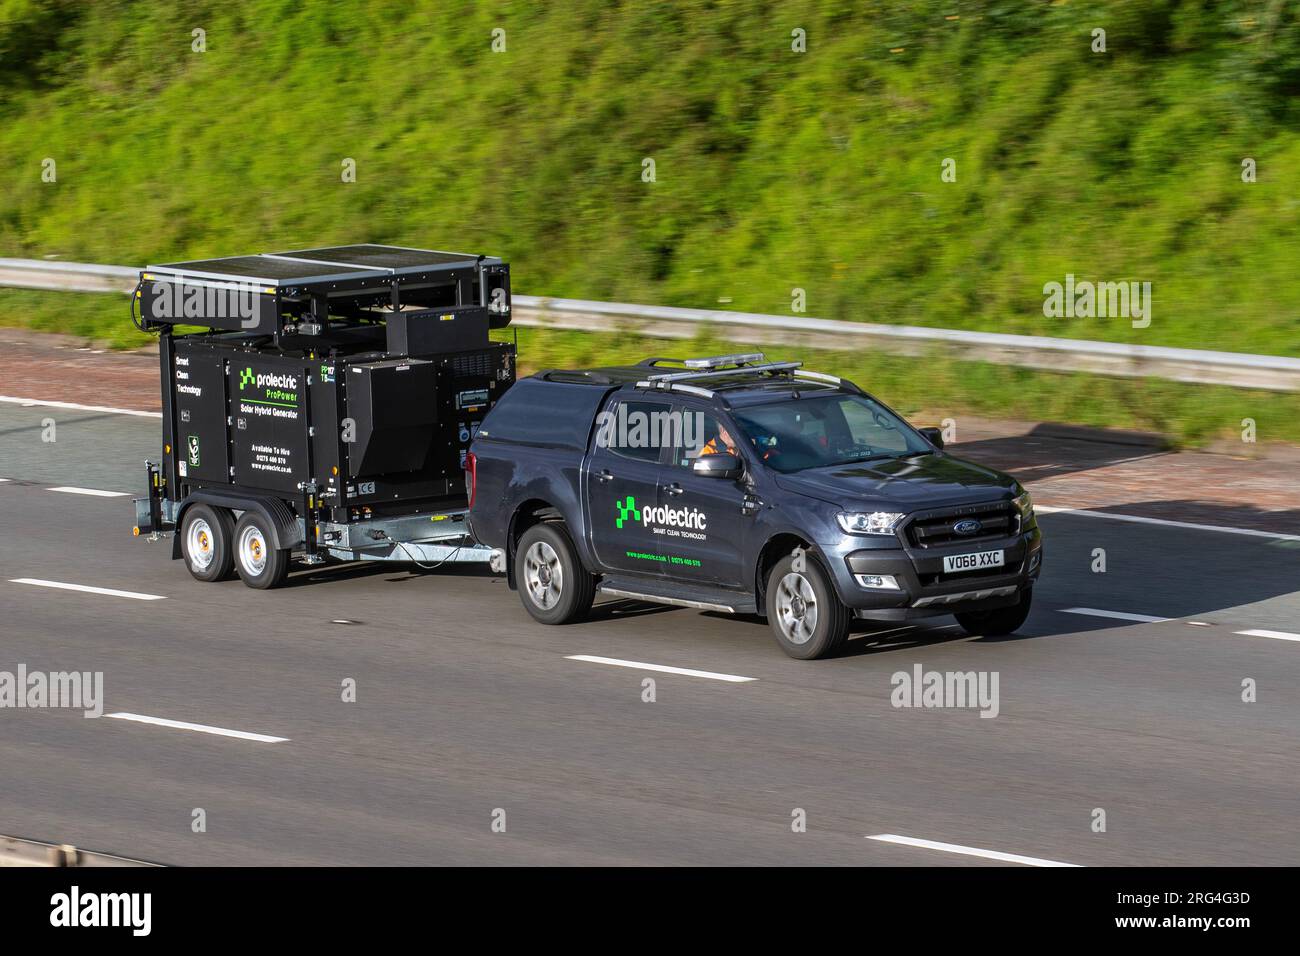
(553, 585)
(260, 564)
(207, 537)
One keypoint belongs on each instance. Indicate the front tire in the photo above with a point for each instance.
(261, 565)
(996, 623)
(807, 617)
(553, 585)
(206, 536)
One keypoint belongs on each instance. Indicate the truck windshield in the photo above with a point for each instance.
(821, 430)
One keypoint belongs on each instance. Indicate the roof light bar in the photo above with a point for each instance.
(756, 370)
(714, 361)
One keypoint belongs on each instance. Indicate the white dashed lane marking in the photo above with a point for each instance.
(966, 850)
(1166, 522)
(1117, 615)
(663, 668)
(87, 589)
(198, 728)
(73, 406)
(93, 492)
(1276, 635)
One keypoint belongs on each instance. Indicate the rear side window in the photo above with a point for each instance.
(637, 430)
(536, 412)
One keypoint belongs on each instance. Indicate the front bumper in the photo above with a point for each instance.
(923, 587)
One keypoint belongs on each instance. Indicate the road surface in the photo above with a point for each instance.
(465, 707)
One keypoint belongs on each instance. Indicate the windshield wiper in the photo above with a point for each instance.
(856, 461)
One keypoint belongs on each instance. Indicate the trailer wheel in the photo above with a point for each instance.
(554, 586)
(206, 535)
(260, 564)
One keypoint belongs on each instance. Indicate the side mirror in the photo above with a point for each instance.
(717, 466)
(933, 435)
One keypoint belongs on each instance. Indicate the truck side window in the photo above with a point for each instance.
(701, 434)
(636, 430)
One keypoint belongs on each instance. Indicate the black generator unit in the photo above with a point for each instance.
(330, 386)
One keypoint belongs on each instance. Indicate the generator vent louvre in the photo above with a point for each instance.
(477, 363)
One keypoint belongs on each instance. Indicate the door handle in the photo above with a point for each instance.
(605, 475)
(674, 489)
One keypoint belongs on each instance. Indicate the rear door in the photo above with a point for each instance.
(623, 475)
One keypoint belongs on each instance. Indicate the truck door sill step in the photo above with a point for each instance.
(703, 599)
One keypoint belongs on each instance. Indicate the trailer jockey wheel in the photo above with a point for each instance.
(206, 536)
(260, 564)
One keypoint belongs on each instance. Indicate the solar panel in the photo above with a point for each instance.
(382, 257)
(305, 266)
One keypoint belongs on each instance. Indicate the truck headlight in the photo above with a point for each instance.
(875, 522)
(1024, 505)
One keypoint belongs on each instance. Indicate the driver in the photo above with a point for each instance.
(719, 444)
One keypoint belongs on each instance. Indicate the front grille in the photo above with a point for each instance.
(934, 529)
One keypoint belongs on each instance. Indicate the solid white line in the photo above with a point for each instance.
(1137, 519)
(201, 728)
(966, 850)
(94, 492)
(88, 589)
(73, 406)
(1278, 635)
(636, 665)
(1118, 615)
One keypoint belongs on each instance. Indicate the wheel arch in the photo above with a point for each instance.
(531, 512)
(774, 549)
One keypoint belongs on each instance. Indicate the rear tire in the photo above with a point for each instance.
(996, 623)
(260, 564)
(207, 534)
(807, 617)
(553, 585)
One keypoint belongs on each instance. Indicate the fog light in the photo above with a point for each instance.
(879, 582)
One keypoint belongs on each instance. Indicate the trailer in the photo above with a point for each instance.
(319, 405)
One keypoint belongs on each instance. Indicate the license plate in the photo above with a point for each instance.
(973, 561)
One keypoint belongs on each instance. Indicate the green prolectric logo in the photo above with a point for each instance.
(626, 508)
(245, 378)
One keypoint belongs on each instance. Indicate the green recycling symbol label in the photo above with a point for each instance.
(626, 508)
(193, 442)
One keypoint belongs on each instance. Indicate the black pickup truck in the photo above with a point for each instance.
(739, 485)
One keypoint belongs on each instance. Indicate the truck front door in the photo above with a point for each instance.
(623, 487)
(710, 528)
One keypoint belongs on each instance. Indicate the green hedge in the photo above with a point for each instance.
(775, 170)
